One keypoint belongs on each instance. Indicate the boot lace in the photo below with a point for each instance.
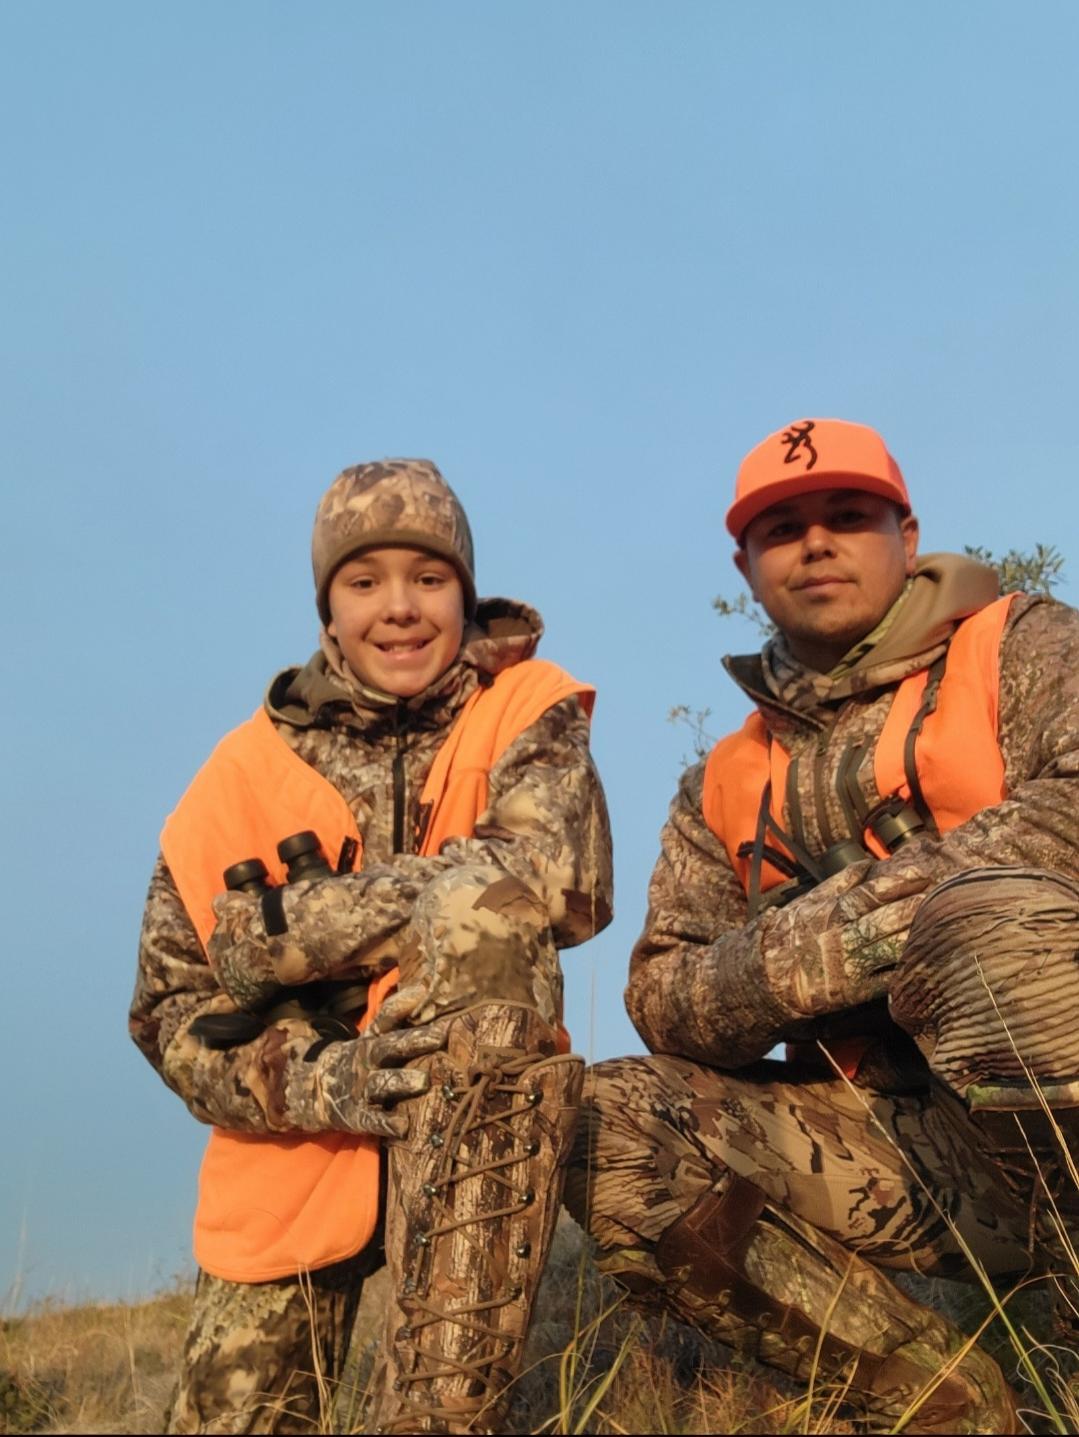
(495, 1097)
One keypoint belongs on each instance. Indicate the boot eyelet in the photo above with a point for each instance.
(429, 1190)
(423, 1239)
(450, 1093)
(533, 1148)
(528, 1197)
(518, 1293)
(535, 1097)
(523, 1249)
(437, 1140)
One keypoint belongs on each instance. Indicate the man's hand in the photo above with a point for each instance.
(347, 1085)
(838, 945)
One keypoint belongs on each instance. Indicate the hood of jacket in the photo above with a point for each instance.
(944, 590)
(326, 691)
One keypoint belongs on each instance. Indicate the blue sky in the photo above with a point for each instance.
(582, 255)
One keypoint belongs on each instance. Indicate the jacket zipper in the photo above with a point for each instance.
(398, 781)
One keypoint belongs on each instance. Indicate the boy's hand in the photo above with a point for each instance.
(239, 952)
(317, 928)
(352, 1082)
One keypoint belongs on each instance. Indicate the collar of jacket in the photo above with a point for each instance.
(946, 589)
(326, 693)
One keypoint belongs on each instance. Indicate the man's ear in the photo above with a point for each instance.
(908, 527)
(741, 563)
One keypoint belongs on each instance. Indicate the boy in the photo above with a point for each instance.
(447, 779)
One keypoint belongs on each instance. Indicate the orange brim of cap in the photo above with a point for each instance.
(743, 511)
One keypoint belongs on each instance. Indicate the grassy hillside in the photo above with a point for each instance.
(93, 1368)
(110, 1368)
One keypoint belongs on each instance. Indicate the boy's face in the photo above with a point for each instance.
(399, 616)
(827, 567)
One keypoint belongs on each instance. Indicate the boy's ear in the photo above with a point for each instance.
(741, 563)
(331, 629)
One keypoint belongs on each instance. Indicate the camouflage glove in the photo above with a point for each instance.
(347, 1086)
(831, 950)
(319, 928)
(239, 950)
(838, 946)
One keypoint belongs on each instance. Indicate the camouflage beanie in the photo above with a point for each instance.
(393, 501)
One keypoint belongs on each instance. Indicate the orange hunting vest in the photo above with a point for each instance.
(272, 1205)
(958, 762)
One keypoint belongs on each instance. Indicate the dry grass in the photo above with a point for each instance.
(91, 1368)
(592, 1365)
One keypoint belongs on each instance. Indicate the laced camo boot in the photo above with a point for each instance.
(768, 1284)
(473, 1196)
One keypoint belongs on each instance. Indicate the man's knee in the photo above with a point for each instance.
(636, 1167)
(986, 982)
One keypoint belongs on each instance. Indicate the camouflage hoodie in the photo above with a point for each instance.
(545, 826)
(708, 983)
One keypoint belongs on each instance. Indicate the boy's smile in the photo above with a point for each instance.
(398, 615)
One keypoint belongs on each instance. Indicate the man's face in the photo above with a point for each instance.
(399, 616)
(827, 567)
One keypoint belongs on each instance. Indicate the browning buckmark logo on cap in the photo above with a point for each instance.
(799, 444)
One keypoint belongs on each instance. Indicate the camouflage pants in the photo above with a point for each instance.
(894, 1178)
(261, 1356)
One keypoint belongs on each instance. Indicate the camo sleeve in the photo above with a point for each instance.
(545, 827)
(695, 926)
(251, 1088)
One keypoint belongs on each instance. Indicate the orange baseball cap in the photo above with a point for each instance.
(808, 456)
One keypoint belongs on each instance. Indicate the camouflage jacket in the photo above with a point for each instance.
(707, 982)
(545, 826)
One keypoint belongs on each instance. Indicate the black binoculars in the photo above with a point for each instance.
(893, 822)
(302, 855)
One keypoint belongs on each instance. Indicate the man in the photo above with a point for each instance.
(879, 871)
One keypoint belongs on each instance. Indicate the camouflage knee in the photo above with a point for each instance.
(635, 1168)
(483, 937)
(986, 983)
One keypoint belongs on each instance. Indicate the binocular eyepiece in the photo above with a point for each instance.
(302, 855)
(892, 823)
